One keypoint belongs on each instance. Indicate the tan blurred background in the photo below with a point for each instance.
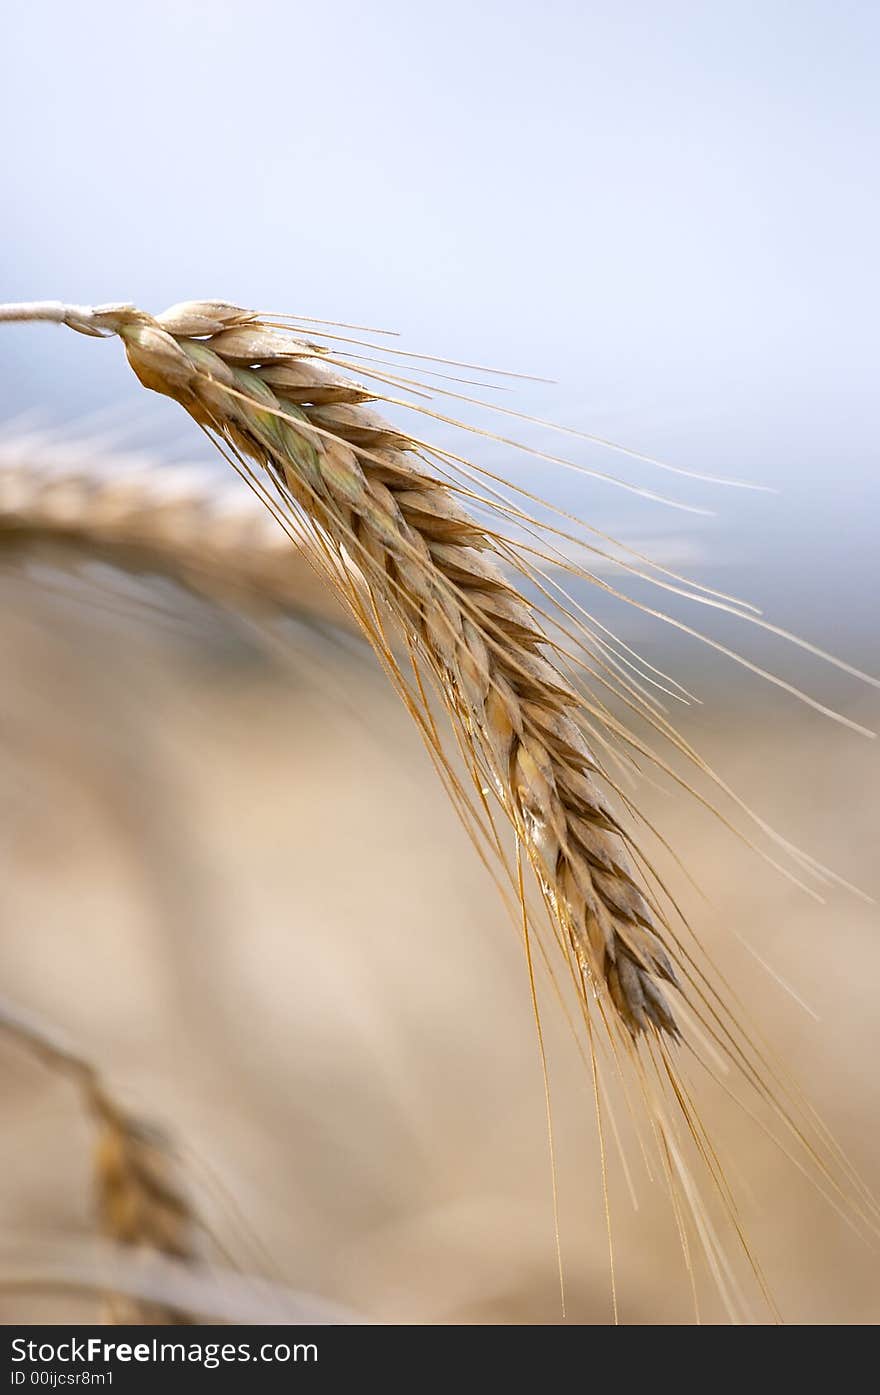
(228, 871)
(231, 876)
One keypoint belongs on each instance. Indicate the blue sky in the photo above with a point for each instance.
(673, 209)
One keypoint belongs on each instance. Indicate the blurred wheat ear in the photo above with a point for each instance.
(140, 1204)
(415, 541)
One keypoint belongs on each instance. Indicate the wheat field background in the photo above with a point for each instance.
(233, 878)
(229, 872)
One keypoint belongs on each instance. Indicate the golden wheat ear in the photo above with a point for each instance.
(415, 541)
(429, 565)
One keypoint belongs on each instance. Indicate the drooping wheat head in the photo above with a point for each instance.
(417, 543)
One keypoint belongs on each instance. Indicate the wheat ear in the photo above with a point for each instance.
(432, 566)
(139, 1201)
